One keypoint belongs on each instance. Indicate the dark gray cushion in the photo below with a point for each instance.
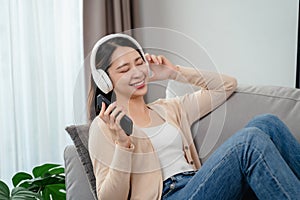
(80, 136)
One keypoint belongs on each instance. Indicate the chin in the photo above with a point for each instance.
(140, 92)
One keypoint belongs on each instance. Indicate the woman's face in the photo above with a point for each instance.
(128, 72)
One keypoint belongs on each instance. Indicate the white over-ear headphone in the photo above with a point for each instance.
(100, 77)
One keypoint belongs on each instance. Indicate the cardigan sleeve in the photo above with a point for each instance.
(111, 164)
(215, 89)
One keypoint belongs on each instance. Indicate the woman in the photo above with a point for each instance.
(159, 159)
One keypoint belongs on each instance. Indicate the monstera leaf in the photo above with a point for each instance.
(4, 191)
(46, 182)
(18, 193)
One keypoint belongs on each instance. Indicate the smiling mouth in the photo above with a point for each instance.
(139, 85)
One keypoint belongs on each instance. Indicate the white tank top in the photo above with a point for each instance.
(167, 143)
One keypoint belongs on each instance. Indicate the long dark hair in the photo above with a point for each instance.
(103, 61)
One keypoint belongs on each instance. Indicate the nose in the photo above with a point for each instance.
(137, 71)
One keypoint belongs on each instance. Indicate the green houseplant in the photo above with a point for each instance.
(46, 182)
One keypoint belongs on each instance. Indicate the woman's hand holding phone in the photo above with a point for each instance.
(112, 117)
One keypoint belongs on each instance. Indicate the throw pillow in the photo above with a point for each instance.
(80, 136)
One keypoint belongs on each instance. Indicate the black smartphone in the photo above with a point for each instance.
(125, 122)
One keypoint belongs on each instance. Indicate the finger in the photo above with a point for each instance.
(102, 109)
(110, 108)
(107, 112)
(114, 113)
(118, 121)
(148, 57)
(160, 59)
(154, 59)
(102, 115)
(119, 117)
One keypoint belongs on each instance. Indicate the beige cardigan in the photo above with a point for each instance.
(135, 173)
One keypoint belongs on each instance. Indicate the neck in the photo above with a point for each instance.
(136, 109)
(134, 106)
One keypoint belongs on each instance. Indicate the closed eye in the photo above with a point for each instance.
(140, 61)
(124, 69)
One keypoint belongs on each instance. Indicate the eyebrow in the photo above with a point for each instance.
(128, 63)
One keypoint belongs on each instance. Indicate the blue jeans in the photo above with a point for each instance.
(262, 158)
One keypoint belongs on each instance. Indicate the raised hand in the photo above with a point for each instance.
(161, 67)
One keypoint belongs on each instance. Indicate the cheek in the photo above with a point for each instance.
(144, 69)
(120, 81)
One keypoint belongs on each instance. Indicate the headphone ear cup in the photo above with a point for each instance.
(103, 81)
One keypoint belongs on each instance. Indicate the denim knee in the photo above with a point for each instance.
(252, 141)
(250, 135)
(266, 117)
(266, 120)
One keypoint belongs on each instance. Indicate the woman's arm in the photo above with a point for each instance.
(111, 162)
(215, 89)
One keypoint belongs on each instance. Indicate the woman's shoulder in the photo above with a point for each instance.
(164, 101)
(95, 124)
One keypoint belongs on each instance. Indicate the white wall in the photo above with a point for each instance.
(255, 41)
